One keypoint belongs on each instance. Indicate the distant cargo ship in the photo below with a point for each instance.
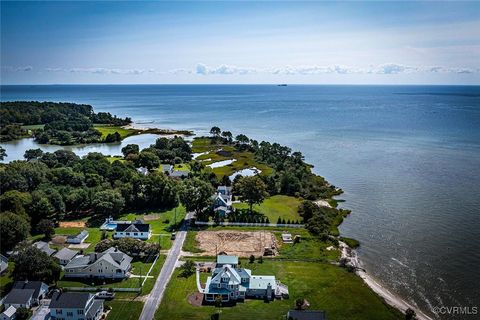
(282, 85)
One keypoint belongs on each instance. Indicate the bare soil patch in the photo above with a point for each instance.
(72, 224)
(195, 299)
(239, 243)
(150, 217)
(59, 240)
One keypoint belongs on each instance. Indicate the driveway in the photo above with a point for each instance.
(155, 297)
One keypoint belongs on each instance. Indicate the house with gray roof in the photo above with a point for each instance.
(110, 264)
(75, 306)
(65, 255)
(39, 288)
(306, 315)
(234, 284)
(222, 200)
(19, 298)
(179, 173)
(78, 238)
(3, 263)
(43, 246)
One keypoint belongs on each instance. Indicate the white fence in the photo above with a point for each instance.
(248, 224)
(95, 289)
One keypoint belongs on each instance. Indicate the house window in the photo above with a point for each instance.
(219, 285)
(58, 311)
(79, 311)
(69, 314)
(128, 233)
(135, 234)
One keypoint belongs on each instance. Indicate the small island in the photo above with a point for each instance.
(66, 124)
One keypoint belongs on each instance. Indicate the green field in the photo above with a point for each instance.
(106, 130)
(285, 207)
(341, 294)
(124, 309)
(94, 235)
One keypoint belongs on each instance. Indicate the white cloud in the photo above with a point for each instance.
(223, 69)
(101, 70)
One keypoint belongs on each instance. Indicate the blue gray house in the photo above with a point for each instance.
(236, 284)
(75, 306)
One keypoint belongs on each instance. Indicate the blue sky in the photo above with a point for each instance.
(240, 42)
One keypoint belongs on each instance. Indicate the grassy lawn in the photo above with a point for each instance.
(6, 280)
(341, 294)
(191, 244)
(33, 126)
(124, 310)
(106, 130)
(115, 158)
(94, 235)
(285, 207)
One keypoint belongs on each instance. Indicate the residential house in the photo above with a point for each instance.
(65, 255)
(222, 200)
(78, 238)
(136, 229)
(3, 263)
(39, 288)
(9, 313)
(306, 315)
(233, 283)
(143, 170)
(43, 246)
(167, 168)
(110, 264)
(75, 306)
(170, 170)
(19, 298)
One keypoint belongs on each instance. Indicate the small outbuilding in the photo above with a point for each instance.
(43, 246)
(78, 238)
(306, 315)
(9, 313)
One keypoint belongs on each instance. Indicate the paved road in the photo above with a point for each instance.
(155, 297)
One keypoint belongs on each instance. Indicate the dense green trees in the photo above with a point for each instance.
(169, 149)
(47, 227)
(64, 123)
(251, 189)
(33, 264)
(196, 195)
(130, 149)
(13, 229)
(3, 153)
(108, 202)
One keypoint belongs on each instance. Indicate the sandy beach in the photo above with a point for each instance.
(390, 298)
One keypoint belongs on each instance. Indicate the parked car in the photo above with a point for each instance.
(174, 235)
(105, 295)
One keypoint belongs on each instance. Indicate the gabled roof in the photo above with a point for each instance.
(70, 300)
(224, 190)
(306, 315)
(93, 309)
(36, 286)
(134, 227)
(227, 271)
(81, 235)
(18, 296)
(112, 255)
(43, 246)
(222, 199)
(179, 173)
(65, 254)
(3, 263)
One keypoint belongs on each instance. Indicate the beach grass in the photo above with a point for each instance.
(327, 287)
(107, 129)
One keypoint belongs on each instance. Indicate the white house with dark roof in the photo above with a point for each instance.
(19, 298)
(233, 283)
(43, 246)
(137, 230)
(110, 264)
(65, 255)
(78, 238)
(75, 306)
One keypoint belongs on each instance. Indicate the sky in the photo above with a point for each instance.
(246, 42)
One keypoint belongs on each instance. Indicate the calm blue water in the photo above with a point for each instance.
(408, 158)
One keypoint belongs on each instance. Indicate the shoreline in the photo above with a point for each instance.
(159, 131)
(391, 299)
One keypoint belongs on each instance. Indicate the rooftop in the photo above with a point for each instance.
(306, 315)
(19, 296)
(65, 254)
(224, 259)
(71, 300)
(32, 285)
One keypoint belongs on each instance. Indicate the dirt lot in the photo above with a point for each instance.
(72, 224)
(237, 243)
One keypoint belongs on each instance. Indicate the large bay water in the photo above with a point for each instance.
(407, 157)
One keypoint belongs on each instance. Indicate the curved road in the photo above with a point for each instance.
(155, 297)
